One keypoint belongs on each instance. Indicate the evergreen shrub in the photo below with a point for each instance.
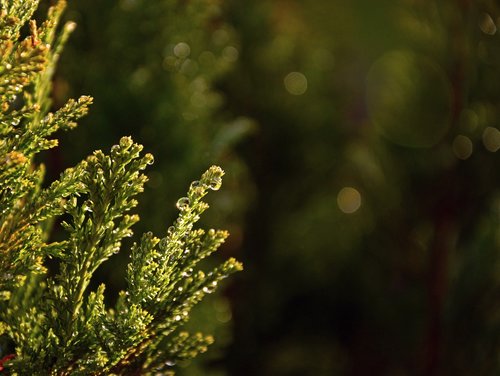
(51, 324)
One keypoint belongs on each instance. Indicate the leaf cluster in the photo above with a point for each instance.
(54, 324)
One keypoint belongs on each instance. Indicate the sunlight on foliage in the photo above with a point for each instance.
(51, 323)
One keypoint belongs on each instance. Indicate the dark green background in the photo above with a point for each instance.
(409, 283)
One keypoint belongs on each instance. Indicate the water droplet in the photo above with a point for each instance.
(187, 272)
(215, 183)
(177, 317)
(180, 289)
(195, 184)
(210, 288)
(170, 363)
(163, 243)
(183, 203)
(70, 26)
(126, 142)
(149, 158)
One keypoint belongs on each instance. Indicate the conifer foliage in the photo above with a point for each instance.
(49, 322)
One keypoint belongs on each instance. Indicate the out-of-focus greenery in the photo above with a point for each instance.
(372, 240)
(374, 244)
(151, 66)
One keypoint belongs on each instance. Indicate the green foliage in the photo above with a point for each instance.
(50, 319)
(163, 73)
(159, 82)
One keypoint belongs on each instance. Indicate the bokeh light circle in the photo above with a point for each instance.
(491, 139)
(409, 99)
(462, 147)
(295, 83)
(349, 200)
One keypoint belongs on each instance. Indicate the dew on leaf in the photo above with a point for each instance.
(215, 183)
(182, 204)
(163, 243)
(195, 184)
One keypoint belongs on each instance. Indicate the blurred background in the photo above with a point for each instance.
(360, 141)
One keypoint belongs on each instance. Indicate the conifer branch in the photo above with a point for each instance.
(55, 324)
